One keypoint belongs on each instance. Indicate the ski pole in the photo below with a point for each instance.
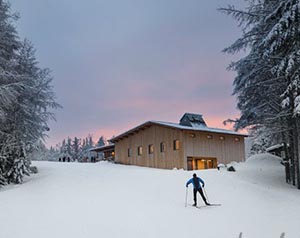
(205, 194)
(186, 195)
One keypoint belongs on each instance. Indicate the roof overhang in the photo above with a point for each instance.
(173, 126)
(103, 148)
(131, 131)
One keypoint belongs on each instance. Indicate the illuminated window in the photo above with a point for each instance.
(222, 138)
(236, 139)
(150, 149)
(176, 144)
(140, 150)
(129, 152)
(209, 136)
(162, 147)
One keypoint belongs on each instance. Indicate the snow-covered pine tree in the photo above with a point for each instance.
(101, 141)
(17, 163)
(82, 149)
(63, 147)
(53, 154)
(39, 151)
(263, 138)
(29, 116)
(267, 82)
(64, 154)
(83, 144)
(26, 98)
(3, 180)
(90, 141)
(9, 44)
(87, 146)
(76, 148)
(79, 151)
(70, 148)
(9, 86)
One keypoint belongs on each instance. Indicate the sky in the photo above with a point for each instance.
(118, 63)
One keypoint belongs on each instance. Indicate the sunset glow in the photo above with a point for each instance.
(118, 64)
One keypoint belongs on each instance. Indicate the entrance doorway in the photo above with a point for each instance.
(197, 163)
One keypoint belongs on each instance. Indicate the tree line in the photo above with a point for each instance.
(27, 100)
(267, 84)
(76, 149)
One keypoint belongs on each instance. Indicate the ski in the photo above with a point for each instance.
(203, 206)
(211, 205)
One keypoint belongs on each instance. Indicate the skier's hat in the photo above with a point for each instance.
(194, 175)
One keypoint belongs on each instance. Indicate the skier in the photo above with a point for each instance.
(197, 188)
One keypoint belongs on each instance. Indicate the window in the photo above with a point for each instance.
(222, 138)
(209, 136)
(140, 150)
(236, 139)
(162, 147)
(129, 152)
(176, 144)
(150, 149)
(193, 135)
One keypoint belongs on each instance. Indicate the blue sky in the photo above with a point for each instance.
(119, 63)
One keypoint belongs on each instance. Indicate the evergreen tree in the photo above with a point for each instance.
(267, 83)
(263, 138)
(83, 143)
(9, 85)
(39, 151)
(53, 154)
(69, 148)
(90, 141)
(26, 100)
(28, 117)
(87, 145)
(101, 141)
(76, 149)
(9, 44)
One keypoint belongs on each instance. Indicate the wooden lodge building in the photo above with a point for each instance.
(189, 145)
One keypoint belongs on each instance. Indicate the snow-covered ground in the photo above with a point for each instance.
(73, 200)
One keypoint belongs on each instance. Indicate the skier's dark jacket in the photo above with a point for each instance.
(195, 185)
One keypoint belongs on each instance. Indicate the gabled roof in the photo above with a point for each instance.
(175, 126)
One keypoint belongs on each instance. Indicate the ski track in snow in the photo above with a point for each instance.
(107, 200)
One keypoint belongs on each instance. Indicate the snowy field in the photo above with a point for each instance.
(73, 200)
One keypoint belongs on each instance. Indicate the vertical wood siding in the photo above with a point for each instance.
(199, 146)
(225, 151)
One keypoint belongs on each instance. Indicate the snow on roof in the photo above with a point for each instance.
(178, 126)
(101, 147)
(198, 128)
